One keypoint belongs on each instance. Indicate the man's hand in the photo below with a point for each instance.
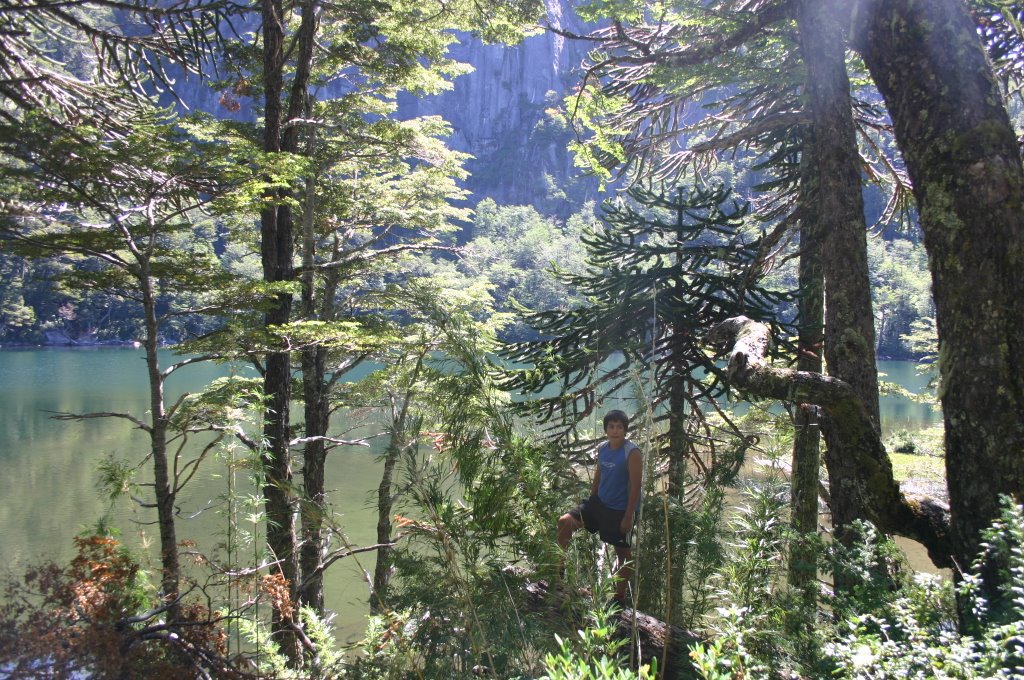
(626, 525)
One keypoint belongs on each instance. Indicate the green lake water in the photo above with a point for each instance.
(48, 491)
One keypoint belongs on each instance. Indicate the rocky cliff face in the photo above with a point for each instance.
(505, 114)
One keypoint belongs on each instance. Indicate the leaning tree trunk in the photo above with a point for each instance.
(921, 518)
(963, 157)
(849, 324)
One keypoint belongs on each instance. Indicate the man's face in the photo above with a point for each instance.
(615, 430)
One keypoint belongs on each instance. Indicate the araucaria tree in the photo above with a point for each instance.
(794, 121)
(662, 266)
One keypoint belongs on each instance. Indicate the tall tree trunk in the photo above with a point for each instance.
(963, 158)
(317, 417)
(679, 441)
(163, 485)
(385, 503)
(399, 441)
(314, 499)
(849, 325)
(807, 442)
(276, 249)
(678, 437)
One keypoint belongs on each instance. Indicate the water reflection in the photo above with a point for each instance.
(49, 491)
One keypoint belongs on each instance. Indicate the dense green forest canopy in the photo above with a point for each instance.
(795, 190)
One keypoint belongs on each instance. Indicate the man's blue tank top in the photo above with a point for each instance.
(614, 487)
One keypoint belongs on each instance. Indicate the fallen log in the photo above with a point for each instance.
(651, 638)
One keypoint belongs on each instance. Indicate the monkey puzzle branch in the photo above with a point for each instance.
(922, 518)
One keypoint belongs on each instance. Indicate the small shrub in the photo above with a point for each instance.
(597, 654)
(99, 618)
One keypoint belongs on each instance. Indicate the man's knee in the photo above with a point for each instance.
(568, 523)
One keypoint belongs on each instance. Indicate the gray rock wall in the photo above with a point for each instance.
(502, 114)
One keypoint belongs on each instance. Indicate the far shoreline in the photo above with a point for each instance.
(117, 344)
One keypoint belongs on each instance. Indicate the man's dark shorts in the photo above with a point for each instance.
(599, 518)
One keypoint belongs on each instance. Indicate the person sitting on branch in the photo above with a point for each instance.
(611, 509)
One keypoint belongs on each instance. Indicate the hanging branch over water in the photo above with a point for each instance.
(921, 518)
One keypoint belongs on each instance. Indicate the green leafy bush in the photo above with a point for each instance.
(911, 631)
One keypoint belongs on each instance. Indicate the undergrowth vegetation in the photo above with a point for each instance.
(463, 605)
(478, 590)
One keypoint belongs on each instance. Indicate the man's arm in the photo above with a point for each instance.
(636, 468)
(597, 480)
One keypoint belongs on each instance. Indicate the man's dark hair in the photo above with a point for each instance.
(616, 415)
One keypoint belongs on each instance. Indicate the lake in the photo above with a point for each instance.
(48, 492)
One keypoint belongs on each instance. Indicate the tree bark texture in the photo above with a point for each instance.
(314, 462)
(385, 503)
(849, 324)
(963, 157)
(402, 434)
(807, 440)
(316, 395)
(920, 518)
(679, 447)
(276, 249)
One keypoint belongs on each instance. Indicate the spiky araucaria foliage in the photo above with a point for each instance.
(666, 267)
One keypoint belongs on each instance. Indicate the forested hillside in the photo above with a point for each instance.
(511, 113)
(524, 253)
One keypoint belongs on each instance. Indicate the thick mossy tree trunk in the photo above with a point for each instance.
(849, 323)
(963, 157)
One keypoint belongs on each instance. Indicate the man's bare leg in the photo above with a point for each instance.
(623, 571)
(567, 526)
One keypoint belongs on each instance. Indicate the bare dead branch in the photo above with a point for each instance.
(57, 415)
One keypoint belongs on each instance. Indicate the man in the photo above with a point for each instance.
(614, 494)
